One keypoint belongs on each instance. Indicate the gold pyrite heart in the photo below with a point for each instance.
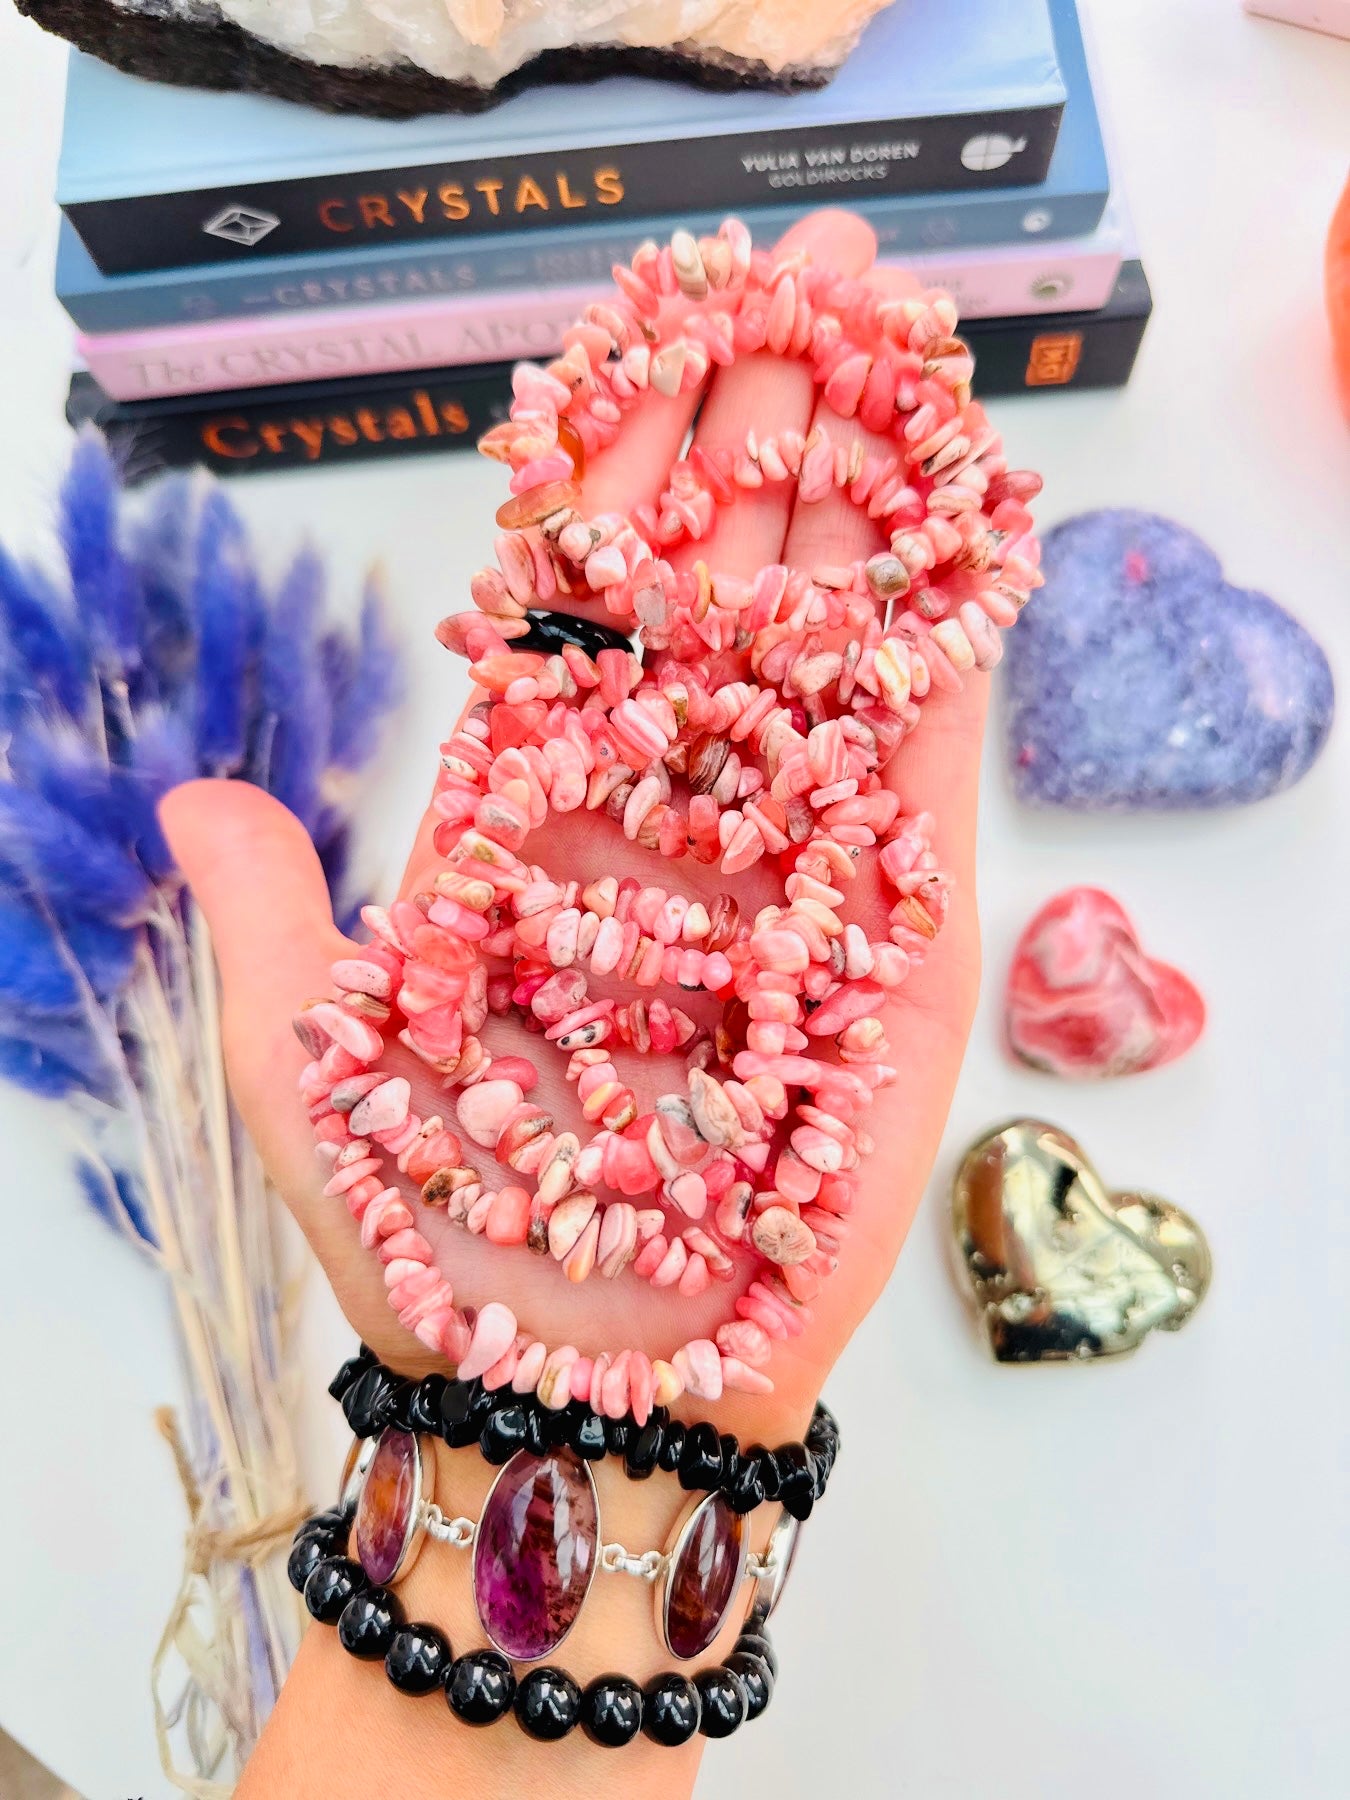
(1060, 1269)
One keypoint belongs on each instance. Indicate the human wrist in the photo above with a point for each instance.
(438, 1595)
(616, 1628)
(519, 1564)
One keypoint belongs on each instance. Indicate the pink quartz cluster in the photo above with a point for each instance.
(755, 731)
(1084, 1000)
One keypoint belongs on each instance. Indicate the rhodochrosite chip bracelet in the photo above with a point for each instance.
(754, 729)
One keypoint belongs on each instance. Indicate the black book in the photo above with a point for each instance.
(318, 423)
(155, 177)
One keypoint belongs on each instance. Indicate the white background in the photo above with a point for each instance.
(1039, 1584)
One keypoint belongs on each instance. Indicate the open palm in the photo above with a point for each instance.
(258, 881)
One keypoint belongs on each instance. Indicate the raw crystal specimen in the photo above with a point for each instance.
(1083, 999)
(1140, 680)
(401, 56)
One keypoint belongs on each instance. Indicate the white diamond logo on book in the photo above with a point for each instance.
(990, 150)
(244, 225)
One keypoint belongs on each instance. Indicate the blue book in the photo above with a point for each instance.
(1068, 203)
(937, 97)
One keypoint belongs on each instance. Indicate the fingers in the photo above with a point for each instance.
(834, 530)
(254, 874)
(635, 466)
(767, 394)
(936, 770)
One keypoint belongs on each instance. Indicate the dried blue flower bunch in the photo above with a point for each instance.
(155, 655)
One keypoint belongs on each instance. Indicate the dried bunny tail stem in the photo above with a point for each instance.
(217, 1664)
(208, 1203)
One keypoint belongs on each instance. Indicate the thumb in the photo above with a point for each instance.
(256, 877)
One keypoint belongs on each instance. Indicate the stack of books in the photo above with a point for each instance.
(258, 286)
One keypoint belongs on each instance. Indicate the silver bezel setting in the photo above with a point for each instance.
(414, 1535)
(675, 1546)
(776, 1566)
(552, 1456)
(357, 1461)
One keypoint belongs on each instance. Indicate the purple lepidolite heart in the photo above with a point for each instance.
(1139, 679)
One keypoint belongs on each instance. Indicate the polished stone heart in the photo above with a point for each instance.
(1083, 999)
(1141, 680)
(1060, 1269)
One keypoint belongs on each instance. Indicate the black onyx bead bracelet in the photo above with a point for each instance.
(482, 1688)
(502, 1423)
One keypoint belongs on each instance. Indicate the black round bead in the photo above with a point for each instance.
(617, 1434)
(722, 1696)
(549, 631)
(670, 1710)
(611, 1711)
(368, 1622)
(480, 1687)
(756, 1643)
(503, 1434)
(588, 1439)
(418, 1659)
(347, 1374)
(701, 1459)
(548, 1703)
(672, 1447)
(756, 1678)
(797, 1479)
(330, 1524)
(331, 1585)
(424, 1405)
(642, 1451)
(306, 1555)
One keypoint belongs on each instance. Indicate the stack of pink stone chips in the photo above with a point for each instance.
(754, 731)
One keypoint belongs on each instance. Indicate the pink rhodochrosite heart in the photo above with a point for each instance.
(746, 746)
(1085, 1001)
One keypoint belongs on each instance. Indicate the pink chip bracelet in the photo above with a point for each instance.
(755, 730)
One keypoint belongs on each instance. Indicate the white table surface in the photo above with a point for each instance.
(1038, 1584)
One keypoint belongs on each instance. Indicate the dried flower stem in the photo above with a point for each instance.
(209, 1208)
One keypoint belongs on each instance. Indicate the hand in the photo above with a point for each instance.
(258, 882)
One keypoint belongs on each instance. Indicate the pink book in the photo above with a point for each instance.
(990, 281)
(1331, 16)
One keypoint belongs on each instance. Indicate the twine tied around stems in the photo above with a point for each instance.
(207, 1547)
(207, 1544)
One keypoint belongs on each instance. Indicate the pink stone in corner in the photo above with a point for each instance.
(385, 1510)
(535, 1553)
(1083, 999)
